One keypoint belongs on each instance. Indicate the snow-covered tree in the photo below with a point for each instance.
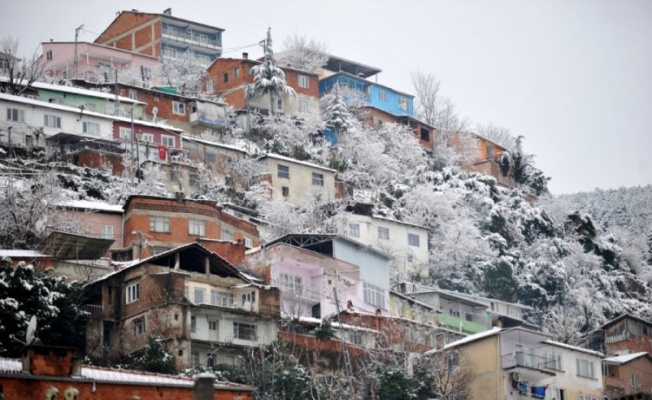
(21, 73)
(268, 78)
(185, 72)
(302, 53)
(299, 138)
(432, 107)
(446, 375)
(497, 134)
(24, 293)
(335, 112)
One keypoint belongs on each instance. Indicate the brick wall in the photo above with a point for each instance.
(232, 252)
(17, 387)
(101, 161)
(131, 31)
(292, 78)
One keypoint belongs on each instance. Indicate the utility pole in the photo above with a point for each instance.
(76, 51)
(345, 349)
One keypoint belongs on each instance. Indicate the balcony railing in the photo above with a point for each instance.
(191, 38)
(460, 324)
(530, 361)
(94, 310)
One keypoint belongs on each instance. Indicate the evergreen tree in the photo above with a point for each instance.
(335, 112)
(268, 78)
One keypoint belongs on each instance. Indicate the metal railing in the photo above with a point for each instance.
(193, 38)
(529, 360)
(94, 310)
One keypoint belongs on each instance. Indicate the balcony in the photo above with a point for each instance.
(192, 39)
(95, 311)
(529, 365)
(462, 325)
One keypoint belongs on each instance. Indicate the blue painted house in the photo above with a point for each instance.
(354, 76)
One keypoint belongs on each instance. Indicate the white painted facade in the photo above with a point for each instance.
(299, 105)
(391, 237)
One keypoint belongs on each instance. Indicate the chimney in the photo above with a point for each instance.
(167, 11)
(203, 388)
(245, 55)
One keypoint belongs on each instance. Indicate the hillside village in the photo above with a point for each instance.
(290, 227)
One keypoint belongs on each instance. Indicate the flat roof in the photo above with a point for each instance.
(292, 160)
(338, 64)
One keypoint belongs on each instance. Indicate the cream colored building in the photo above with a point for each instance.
(298, 181)
(518, 363)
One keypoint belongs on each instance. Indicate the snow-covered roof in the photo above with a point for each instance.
(85, 92)
(92, 205)
(22, 254)
(398, 222)
(471, 338)
(574, 348)
(209, 143)
(337, 325)
(292, 160)
(24, 100)
(114, 375)
(625, 358)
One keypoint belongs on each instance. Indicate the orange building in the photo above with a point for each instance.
(156, 224)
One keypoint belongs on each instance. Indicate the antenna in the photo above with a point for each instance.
(31, 330)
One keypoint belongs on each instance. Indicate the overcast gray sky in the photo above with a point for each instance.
(574, 77)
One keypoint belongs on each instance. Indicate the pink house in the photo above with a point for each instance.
(308, 281)
(93, 218)
(95, 59)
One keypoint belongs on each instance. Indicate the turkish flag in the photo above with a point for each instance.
(162, 152)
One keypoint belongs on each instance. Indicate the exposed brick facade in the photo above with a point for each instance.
(139, 211)
(133, 31)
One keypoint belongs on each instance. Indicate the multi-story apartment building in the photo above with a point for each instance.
(516, 363)
(96, 63)
(407, 243)
(93, 218)
(162, 34)
(298, 181)
(156, 224)
(204, 308)
(230, 76)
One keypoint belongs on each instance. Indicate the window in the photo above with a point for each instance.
(91, 128)
(52, 121)
(304, 81)
(279, 103)
(354, 230)
(125, 133)
(374, 295)
(236, 72)
(248, 243)
(382, 95)
(585, 368)
(283, 171)
(145, 137)
(154, 250)
(249, 297)
(178, 108)
(210, 158)
(355, 338)
(203, 38)
(244, 331)
(227, 235)
(553, 360)
(212, 324)
(139, 326)
(634, 380)
(199, 295)
(133, 292)
(209, 86)
(558, 394)
(425, 135)
(159, 224)
(210, 360)
(16, 115)
(291, 282)
(285, 191)
(403, 104)
(221, 299)
(107, 231)
(48, 55)
(410, 258)
(194, 359)
(196, 227)
(587, 397)
(133, 94)
(304, 105)
(383, 233)
(193, 324)
(145, 73)
(413, 240)
(226, 77)
(193, 179)
(167, 140)
(317, 179)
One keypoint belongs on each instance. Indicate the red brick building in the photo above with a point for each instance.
(627, 334)
(55, 373)
(157, 34)
(424, 133)
(156, 224)
(229, 77)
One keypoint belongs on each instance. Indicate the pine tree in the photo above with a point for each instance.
(268, 78)
(335, 112)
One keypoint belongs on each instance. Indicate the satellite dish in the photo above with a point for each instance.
(31, 330)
